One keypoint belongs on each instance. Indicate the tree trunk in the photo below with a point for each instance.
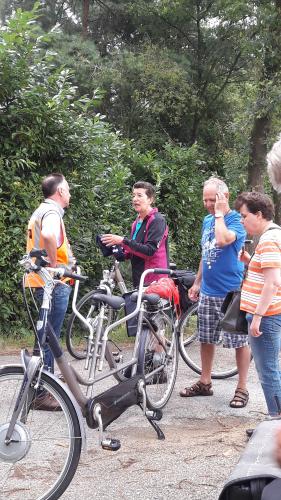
(263, 117)
(257, 153)
(85, 18)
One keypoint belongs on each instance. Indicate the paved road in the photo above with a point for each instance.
(204, 439)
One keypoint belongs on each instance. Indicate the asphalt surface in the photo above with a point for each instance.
(204, 440)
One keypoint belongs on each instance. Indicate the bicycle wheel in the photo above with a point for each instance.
(77, 332)
(159, 385)
(42, 459)
(224, 362)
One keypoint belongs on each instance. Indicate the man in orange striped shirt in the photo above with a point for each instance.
(261, 293)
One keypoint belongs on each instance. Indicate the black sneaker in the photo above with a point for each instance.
(249, 432)
(159, 378)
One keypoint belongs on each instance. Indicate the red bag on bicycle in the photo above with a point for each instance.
(166, 289)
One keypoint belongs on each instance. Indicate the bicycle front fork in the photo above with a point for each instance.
(26, 392)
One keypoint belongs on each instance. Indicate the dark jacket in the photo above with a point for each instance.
(149, 249)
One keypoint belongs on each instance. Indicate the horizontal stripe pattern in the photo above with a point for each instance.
(267, 255)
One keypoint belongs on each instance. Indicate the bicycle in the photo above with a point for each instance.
(224, 363)
(101, 311)
(42, 450)
(80, 334)
(77, 341)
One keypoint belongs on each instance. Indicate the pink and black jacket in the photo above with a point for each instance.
(149, 249)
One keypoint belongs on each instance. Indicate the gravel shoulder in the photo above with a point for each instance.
(204, 440)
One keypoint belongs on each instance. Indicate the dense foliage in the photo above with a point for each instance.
(46, 127)
(114, 91)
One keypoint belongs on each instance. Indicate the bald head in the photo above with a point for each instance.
(274, 165)
(218, 184)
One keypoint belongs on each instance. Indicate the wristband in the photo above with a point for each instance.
(218, 214)
(257, 314)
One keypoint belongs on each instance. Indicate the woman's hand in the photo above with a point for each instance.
(244, 256)
(269, 290)
(255, 327)
(111, 239)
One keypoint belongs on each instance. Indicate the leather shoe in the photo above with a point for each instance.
(45, 402)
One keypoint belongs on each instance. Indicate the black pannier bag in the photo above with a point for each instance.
(184, 281)
(256, 467)
(130, 306)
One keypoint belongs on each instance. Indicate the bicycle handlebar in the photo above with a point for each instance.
(41, 266)
(62, 272)
(162, 271)
(74, 276)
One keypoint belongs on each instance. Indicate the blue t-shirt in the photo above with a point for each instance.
(222, 271)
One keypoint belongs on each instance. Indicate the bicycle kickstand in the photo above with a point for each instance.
(151, 415)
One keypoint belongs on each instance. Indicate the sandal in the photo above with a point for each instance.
(197, 389)
(240, 399)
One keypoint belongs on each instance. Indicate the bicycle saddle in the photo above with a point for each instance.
(114, 302)
(151, 298)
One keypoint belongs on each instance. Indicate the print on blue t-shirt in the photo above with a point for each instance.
(221, 269)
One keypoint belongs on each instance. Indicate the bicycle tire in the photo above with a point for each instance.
(159, 386)
(76, 332)
(51, 440)
(189, 347)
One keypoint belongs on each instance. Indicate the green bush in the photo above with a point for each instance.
(47, 126)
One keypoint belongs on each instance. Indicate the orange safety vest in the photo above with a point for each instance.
(34, 240)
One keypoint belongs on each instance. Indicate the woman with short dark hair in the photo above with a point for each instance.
(147, 244)
(261, 293)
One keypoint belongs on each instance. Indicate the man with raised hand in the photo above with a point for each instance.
(219, 272)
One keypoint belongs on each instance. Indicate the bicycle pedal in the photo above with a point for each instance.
(110, 444)
(154, 414)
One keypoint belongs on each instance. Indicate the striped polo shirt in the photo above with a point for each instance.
(267, 255)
